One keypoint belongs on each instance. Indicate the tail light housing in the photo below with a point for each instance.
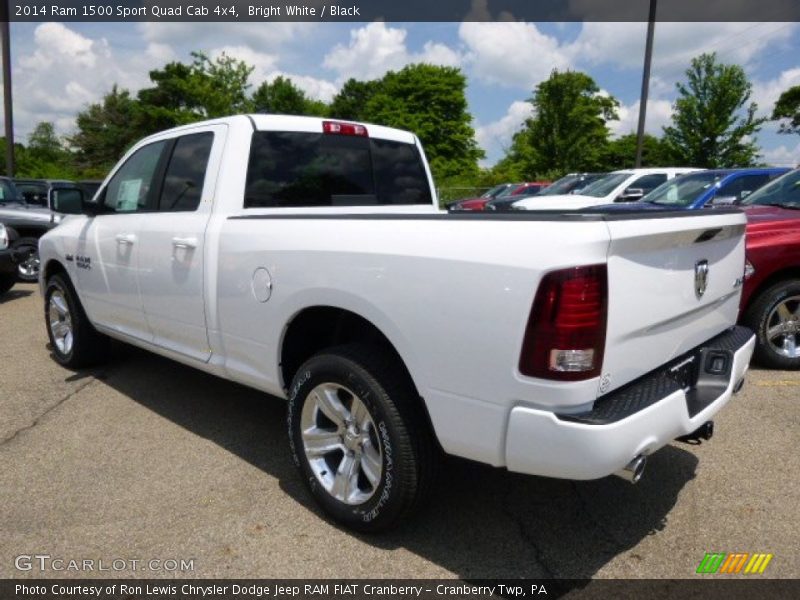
(566, 333)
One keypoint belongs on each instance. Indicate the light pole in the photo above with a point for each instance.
(5, 29)
(648, 57)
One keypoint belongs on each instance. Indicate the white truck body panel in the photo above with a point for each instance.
(452, 295)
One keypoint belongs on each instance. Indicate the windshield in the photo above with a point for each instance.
(605, 185)
(683, 191)
(784, 191)
(495, 191)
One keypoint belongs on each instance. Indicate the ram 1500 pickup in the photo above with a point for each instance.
(307, 258)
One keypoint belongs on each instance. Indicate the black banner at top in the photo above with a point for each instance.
(401, 10)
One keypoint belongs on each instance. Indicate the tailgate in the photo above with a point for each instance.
(674, 282)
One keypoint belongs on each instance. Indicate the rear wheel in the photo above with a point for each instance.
(28, 266)
(775, 317)
(75, 342)
(357, 437)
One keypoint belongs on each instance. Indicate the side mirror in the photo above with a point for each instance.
(66, 200)
(631, 195)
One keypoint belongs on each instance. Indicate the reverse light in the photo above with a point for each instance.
(566, 332)
(338, 128)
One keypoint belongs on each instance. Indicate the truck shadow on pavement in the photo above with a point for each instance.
(481, 522)
(12, 295)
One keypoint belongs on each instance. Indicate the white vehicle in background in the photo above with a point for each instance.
(628, 185)
(307, 258)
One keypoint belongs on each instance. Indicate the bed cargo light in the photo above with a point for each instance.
(566, 332)
(338, 128)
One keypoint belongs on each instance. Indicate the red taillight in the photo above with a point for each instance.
(566, 332)
(338, 128)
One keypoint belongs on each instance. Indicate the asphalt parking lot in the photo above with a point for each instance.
(147, 459)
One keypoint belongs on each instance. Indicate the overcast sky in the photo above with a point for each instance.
(59, 68)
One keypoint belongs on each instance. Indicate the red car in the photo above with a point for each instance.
(771, 296)
(506, 190)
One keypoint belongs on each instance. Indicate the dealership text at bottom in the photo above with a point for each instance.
(254, 590)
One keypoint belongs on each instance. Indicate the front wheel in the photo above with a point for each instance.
(775, 317)
(74, 341)
(357, 438)
(28, 266)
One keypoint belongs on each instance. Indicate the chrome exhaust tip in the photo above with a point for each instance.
(633, 471)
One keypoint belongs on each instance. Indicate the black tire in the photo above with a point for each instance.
(757, 317)
(407, 450)
(88, 347)
(7, 281)
(28, 270)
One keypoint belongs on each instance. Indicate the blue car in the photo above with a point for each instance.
(702, 189)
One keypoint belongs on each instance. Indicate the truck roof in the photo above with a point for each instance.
(269, 122)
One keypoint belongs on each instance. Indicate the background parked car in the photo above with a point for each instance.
(506, 200)
(511, 190)
(572, 183)
(35, 191)
(771, 295)
(479, 202)
(703, 189)
(627, 185)
(25, 223)
(8, 267)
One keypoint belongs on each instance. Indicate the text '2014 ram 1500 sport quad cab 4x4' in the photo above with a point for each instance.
(307, 258)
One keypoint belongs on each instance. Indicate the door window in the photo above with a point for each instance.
(743, 186)
(186, 172)
(132, 188)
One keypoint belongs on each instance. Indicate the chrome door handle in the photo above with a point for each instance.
(126, 238)
(190, 242)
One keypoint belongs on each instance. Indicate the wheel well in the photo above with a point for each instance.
(777, 277)
(320, 327)
(52, 268)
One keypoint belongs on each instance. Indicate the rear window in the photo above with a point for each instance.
(289, 169)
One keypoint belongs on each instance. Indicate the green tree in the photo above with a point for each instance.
(430, 101)
(105, 130)
(281, 96)
(351, 101)
(788, 108)
(204, 89)
(569, 130)
(620, 153)
(714, 121)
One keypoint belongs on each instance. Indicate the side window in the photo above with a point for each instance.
(648, 183)
(730, 189)
(132, 188)
(186, 172)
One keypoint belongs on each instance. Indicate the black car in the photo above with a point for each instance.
(25, 223)
(8, 265)
(35, 191)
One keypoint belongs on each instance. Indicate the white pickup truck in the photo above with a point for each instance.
(308, 259)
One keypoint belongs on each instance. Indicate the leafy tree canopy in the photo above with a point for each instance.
(714, 121)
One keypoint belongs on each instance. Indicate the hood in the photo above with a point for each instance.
(24, 211)
(771, 220)
(564, 202)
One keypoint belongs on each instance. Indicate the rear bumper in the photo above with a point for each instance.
(637, 419)
(7, 263)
